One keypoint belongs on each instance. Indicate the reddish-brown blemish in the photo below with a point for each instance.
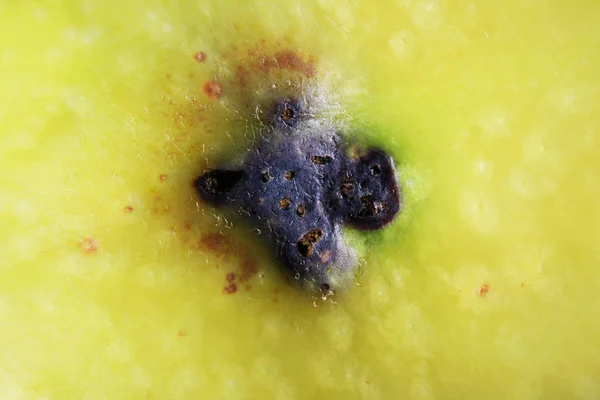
(249, 268)
(89, 245)
(286, 59)
(128, 209)
(230, 289)
(162, 177)
(483, 290)
(187, 226)
(216, 243)
(223, 246)
(200, 56)
(181, 333)
(213, 90)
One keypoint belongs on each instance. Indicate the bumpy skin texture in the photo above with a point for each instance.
(300, 186)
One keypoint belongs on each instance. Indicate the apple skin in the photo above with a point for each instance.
(118, 283)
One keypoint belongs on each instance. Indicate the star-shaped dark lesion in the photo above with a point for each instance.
(302, 187)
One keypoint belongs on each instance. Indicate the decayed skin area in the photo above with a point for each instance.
(302, 163)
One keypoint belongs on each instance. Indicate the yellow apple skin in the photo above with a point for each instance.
(114, 279)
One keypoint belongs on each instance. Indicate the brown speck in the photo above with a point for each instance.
(128, 209)
(89, 245)
(285, 203)
(483, 290)
(289, 175)
(230, 277)
(301, 209)
(522, 284)
(230, 289)
(187, 226)
(248, 287)
(213, 90)
(162, 177)
(181, 333)
(200, 56)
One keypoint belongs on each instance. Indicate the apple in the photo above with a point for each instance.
(119, 282)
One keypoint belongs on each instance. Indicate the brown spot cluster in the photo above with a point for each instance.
(225, 247)
(284, 59)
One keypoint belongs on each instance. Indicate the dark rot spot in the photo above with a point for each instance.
(200, 56)
(375, 202)
(128, 209)
(376, 169)
(265, 177)
(306, 245)
(370, 207)
(230, 277)
(285, 203)
(301, 209)
(218, 181)
(289, 175)
(347, 187)
(89, 245)
(213, 90)
(287, 114)
(230, 289)
(483, 290)
(162, 177)
(321, 160)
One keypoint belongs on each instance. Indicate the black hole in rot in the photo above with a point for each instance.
(265, 176)
(289, 175)
(376, 169)
(219, 181)
(325, 287)
(287, 114)
(370, 207)
(321, 160)
(306, 244)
